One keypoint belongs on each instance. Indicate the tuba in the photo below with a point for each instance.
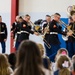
(71, 10)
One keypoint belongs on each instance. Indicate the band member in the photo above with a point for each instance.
(3, 35)
(46, 23)
(53, 39)
(13, 27)
(46, 31)
(70, 20)
(38, 27)
(70, 44)
(16, 30)
(25, 29)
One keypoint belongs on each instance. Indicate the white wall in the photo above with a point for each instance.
(45, 5)
(5, 12)
(39, 8)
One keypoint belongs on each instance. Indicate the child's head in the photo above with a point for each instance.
(4, 65)
(73, 58)
(61, 51)
(63, 61)
(12, 59)
(41, 48)
(73, 61)
(63, 64)
(29, 60)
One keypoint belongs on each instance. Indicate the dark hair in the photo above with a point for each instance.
(73, 61)
(74, 66)
(0, 16)
(12, 60)
(48, 16)
(57, 14)
(70, 18)
(20, 17)
(72, 13)
(29, 59)
(27, 15)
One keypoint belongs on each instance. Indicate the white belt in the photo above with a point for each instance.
(24, 32)
(2, 32)
(53, 33)
(18, 32)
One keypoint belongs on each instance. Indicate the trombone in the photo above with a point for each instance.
(45, 42)
(67, 28)
(37, 27)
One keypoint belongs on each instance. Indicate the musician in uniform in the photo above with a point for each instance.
(13, 26)
(53, 39)
(25, 29)
(3, 35)
(70, 43)
(37, 27)
(16, 30)
(45, 23)
(45, 30)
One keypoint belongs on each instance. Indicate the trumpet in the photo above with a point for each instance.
(67, 28)
(44, 40)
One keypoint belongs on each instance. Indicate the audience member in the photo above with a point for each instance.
(46, 60)
(63, 65)
(4, 66)
(29, 60)
(12, 60)
(73, 65)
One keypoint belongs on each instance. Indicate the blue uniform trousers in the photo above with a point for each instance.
(51, 53)
(3, 45)
(71, 48)
(17, 45)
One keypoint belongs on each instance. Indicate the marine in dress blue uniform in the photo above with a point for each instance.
(3, 35)
(70, 43)
(25, 29)
(52, 37)
(16, 30)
